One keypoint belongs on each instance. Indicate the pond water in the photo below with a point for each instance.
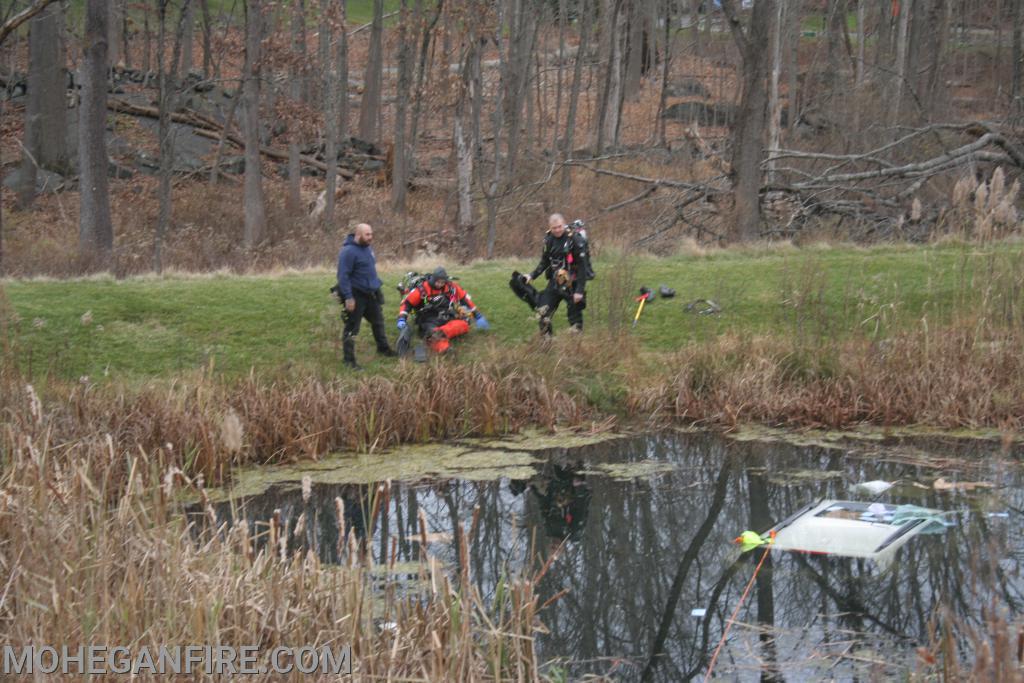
(644, 529)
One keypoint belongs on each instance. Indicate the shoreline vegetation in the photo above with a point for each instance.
(111, 405)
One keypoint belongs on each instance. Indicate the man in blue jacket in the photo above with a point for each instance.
(359, 289)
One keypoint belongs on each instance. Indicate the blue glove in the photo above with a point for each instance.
(481, 322)
(402, 323)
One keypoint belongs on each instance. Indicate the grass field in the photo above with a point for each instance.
(288, 324)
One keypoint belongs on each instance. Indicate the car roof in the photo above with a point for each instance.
(846, 528)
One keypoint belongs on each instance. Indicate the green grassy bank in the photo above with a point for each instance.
(289, 324)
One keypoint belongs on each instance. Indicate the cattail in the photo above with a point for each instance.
(981, 199)
(275, 529)
(915, 210)
(961, 193)
(169, 481)
(998, 185)
(300, 526)
(1006, 214)
(231, 431)
(307, 488)
(35, 406)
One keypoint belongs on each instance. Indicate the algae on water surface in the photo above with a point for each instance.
(514, 457)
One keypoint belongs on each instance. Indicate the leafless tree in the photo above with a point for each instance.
(187, 38)
(343, 130)
(574, 94)
(95, 232)
(204, 6)
(752, 118)
(254, 209)
(369, 110)
(295, 69)
(400, 170)
(45, 145)
(330, 90)
(167, 80)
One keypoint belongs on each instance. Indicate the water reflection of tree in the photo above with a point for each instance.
(646, 552)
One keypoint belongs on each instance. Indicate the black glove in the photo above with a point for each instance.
(379, 294)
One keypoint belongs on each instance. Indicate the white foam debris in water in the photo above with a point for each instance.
(873, 488)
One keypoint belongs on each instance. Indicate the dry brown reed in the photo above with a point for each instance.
(945, 378)
(81, 571)
(208, 426)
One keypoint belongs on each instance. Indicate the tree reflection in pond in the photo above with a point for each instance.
(636, 557)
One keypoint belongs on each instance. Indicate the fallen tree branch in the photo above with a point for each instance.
(208, 128)
(659, 182)
(932, 165)
(279, 155)
(21, 17)
(632, 200)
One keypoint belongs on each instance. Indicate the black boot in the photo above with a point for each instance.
(387, 352)
(348, 346)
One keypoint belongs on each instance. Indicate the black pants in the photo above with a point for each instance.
(551, 297)
(368, 305)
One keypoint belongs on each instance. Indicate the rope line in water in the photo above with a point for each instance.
(732, 619)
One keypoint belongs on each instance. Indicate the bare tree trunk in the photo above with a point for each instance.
(938, 28)
(229, 120)
(774, 104)
(95, 232)
(884, 45)
(207, 39)
(330, 93)
(793, 67)
(560, 76)
(901, 59)
(421, 75)
(835, 80)
(633, 58)
(126, 54)
(255, 212)
(695, 19)
(400, 172)
(616, 91)
(666, 72)
(607, 57)
(522, 36)
(464, 174)
(305, 94)
(147, 47)
(113, 32)
(167, 79)
(294, 201)
(574, 96)
(45, 144)
(862, 32)
(490, 190)
(343, 134)
(751, 120)
(1018, 56)
(189, 18)
(369, 110)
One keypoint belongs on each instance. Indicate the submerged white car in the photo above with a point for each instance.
(845, 528)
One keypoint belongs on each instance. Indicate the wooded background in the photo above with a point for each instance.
(199, 134)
